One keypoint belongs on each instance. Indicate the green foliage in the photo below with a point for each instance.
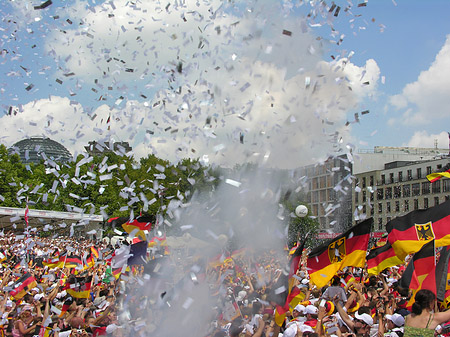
(110, 184)
(300, 227)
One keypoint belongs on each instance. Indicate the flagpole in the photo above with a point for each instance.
(240, 313)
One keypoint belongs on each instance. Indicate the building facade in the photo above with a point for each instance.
(398, 189)
(329, 192)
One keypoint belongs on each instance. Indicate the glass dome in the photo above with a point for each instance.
(35, 149)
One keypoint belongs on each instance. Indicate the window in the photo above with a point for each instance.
(406, 206)
(380, 207)
(426, 188)
(371, 196)
(436, 187)
(436, 201)
(383, 179)
(415, 189)
(425, 203)
(416, 204)
(388, 207)
(409, 173)
(372, 211)
(380, 224)
(406, 191)
(388, 193)
(380, 194)
(364, 182)
(439, 166)
(400, 176)
(371, 180)
(364, 196)
(446, 185)
(397, 191)
(391, 178)
(397, 206)
(419, 173)
(428, 170)
(356, 197)
(364, 209)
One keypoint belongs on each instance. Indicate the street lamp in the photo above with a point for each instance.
(301, 211)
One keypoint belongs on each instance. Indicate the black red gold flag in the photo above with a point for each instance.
(347, 249)
(380, 258)
(435, 176)
(79, 287)
(23, 285)
(407, 234)
(420, 271)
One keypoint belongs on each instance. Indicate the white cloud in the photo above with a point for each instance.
(246, 91)
(428, 96)
(423, 139)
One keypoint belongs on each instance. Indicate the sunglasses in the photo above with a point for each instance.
(360, 321)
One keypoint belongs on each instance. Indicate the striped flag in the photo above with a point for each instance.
(381, 258)
(79, 287)
(23, 285)
(347, 249)
(407, 234)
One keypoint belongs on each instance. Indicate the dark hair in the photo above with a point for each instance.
(423, 299)
(256, 307)
(336, 280)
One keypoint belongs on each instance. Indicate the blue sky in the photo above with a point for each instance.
(239, 72)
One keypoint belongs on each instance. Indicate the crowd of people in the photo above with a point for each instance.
(64, 286)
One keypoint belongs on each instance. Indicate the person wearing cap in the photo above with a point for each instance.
(293, 324)
(361, 324)
(394, 324)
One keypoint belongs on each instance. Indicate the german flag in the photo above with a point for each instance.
(66, 305)
(443, 294)
(137, 226)
(284, 294)
(435, 176)
(347, 249)
(407, 234)
(443, 278)
(52, 263)
(294, 298)
(23, 285)
(158, 241)
(421, 268)
(79, 287)
(94, 252)
(71, 261)
(381, 258)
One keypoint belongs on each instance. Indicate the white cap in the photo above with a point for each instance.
(241, 295)
(300, 308)
(366, 318)
(311, 309)
(37, 297)
(397, 319)
(305, 328)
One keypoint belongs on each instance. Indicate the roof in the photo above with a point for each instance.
(35, 149)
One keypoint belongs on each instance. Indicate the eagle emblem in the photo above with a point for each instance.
(336, 250)
(424, 231)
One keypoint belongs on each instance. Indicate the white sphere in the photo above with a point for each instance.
(301, 211)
